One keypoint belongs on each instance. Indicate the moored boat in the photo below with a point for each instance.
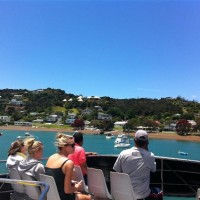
(110, 136)
(122, 145)
(183, 153)
(122, 141)
(26, 135)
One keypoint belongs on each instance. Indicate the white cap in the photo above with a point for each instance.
(141, 135)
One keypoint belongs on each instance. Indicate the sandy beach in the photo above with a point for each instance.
(161, 135)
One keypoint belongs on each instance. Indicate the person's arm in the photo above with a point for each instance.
(90, 153)
(117, 166)
(82, 160)
(68, 171)
(39, 170)
(153, 163)
(84, 166)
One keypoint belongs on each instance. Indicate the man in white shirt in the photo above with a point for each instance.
(138, 162)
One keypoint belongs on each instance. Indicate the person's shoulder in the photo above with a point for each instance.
(126, 151)
(52, 156)
(152, 154)
(148, 154)
(77, 147)
(68, 164)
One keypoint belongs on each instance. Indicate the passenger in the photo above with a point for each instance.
(16, 153)
(138, 162)
(32, 165)
(61, 168)
(79, 155)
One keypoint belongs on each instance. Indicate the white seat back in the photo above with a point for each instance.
(121, 187)
(13, 174)
(53, 191)
(97, 184)
(79, 177)
(198, 194)
(32, 191)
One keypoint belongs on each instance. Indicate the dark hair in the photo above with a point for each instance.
(141, 143)
(78, 137)
(15, 147)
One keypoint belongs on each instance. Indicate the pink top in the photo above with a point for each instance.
(78, 157)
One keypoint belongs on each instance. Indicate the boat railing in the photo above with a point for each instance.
(176, 177)
(43, 185)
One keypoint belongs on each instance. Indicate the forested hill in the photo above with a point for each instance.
(45, 100)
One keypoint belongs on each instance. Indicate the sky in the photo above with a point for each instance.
(116, 48)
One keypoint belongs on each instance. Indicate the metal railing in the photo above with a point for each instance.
(29, 183)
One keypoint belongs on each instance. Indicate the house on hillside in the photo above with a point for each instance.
(170, 127)
(18, 123)
(17, 96)
(192, 122)
(51, 118)
(38, 121)
(70, 118)
(87, 111)
(98, 108)
(16, 102)
(87, 124)
(5, 118)
(120, 123)
(103, 116)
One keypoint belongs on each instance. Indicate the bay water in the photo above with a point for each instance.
(101, 145)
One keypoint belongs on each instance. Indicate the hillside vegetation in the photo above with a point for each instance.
(140, 111)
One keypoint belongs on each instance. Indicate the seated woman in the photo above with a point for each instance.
(61, 168)
(16, 153)
(31, 168)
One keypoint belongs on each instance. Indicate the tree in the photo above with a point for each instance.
(131, 125)
(78, 123)
(197, 126)
(107, 125)
(183, 127)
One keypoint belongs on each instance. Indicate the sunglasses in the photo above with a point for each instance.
(72, 145)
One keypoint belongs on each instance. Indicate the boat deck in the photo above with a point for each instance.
(178, 178)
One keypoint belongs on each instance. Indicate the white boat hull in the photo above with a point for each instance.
(122, 145)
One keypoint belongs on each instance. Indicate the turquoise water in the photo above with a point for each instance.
(98, 143)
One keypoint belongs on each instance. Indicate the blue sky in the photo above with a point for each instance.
(121, 48)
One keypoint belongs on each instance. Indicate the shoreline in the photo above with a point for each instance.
(160, 135)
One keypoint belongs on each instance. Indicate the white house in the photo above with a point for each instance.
(5, 118)
(120, 123)
(192, 122)
(38, 121)
(16, 102)
(51, 118)
(17, 123)
(70, 118)
(17, 96)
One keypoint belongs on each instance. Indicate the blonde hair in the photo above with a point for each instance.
(63, 139)
(33, 146)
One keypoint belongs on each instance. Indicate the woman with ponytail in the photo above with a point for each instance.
(32, 165)
(16, 153)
